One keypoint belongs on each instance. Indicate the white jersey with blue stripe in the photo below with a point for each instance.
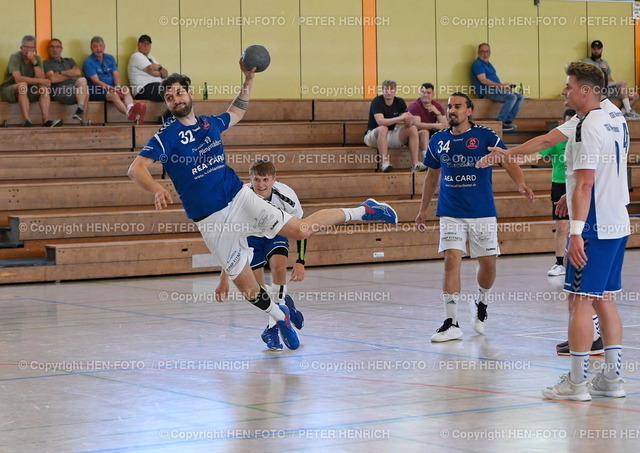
(284, 197)
(601, 143)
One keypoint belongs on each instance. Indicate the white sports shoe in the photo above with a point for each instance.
(419, 167)
(449, 331)
(557, 270)
(601, 386)
(632, 115)
(566, 390)
(478, 316)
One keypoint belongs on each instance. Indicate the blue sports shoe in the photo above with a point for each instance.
(289, 335)
(271, 337)
(379, 211)
(296, 317)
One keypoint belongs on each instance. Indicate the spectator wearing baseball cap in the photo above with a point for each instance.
(614, 89)
(145, 73)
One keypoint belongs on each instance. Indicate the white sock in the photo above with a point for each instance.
(129, 108)
(451, 306)
(353, 213)
(483, 295)
(579, 367)
(626, 105)
(612, 361)
(278, 291)
(274, 312)
(596, 327)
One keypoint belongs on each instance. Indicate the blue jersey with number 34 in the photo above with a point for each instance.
(465, 192)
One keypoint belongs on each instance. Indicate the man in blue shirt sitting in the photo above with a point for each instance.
(488, 85)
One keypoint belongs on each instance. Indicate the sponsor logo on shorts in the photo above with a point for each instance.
(233, 260)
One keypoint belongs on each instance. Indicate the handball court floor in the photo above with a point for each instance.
(155, 365)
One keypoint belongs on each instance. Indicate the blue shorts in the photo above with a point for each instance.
(265, 248)
(603, 272)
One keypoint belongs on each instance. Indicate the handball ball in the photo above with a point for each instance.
(256, 56)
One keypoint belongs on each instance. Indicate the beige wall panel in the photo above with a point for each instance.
(17, 19)
(407, 44)
(210, 46)
(275, 25)
(459, 30)
(562, 38)
(75, 22)
(612, 24)
(158, 19)
(513, 35)
(331, 49)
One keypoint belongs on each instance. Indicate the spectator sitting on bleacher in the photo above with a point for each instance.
(614, 89)
(429, 115)
(145, 73)
(67, 84)
(391, 125)
(488, 85)
(103, 76)
(24, 82)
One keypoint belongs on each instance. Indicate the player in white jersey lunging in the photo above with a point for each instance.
(273, 252)
(466, 209)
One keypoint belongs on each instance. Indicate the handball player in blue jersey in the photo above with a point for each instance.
(466, 209)
(213, 196)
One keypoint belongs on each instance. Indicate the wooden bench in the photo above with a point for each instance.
(354, 130)
(68, 165)
(66, 138)
(362, 243)
(45, 226)
(96, 164)
(277, 134)
(123, 192)
(268, 110)
(484, 109)
(10, 112)
(537, 179)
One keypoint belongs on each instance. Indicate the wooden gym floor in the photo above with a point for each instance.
(155, 365)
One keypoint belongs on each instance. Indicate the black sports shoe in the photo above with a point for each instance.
(79, 114)
(54, 123)
(27, 123)
(562, 345)
(597, 348)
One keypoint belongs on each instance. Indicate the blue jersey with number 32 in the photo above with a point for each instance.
(194, 159)
(465, 192)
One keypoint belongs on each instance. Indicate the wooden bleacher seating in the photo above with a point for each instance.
(11, 113)
(68, 211)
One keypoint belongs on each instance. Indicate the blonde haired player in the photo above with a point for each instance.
(273, 252)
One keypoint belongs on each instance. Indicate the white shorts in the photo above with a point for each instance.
(393, 138)
(482, 234)
(225, 232)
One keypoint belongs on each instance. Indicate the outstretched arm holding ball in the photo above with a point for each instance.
(240, 104)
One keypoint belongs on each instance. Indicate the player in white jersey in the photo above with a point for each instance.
(597, 195)
(539, 143)
(466, 209)
(273, 251)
